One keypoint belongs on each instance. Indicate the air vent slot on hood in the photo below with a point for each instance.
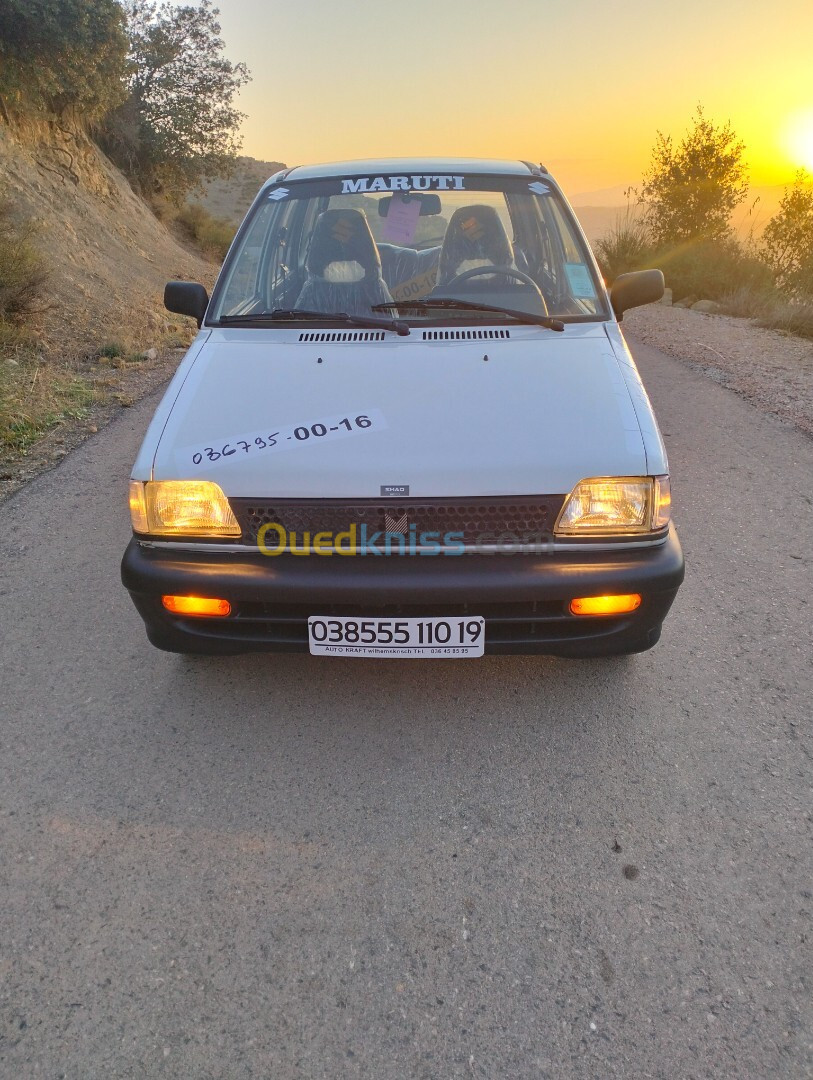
(465, 335)
(343, 335)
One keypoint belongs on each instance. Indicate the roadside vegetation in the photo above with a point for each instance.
(34, 394)
(680, 221)
(149, 82)
(211, 235)
(176, 126)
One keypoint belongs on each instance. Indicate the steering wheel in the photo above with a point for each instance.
(505, 271)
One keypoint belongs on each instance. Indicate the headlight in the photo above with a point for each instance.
(615, 506)
(181, 508)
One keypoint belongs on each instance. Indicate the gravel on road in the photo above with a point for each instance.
(770, 369)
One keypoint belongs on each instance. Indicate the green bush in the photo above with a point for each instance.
(62, 54)
(787, 243)
(22, 271)
(179, 124)
(692, 187)
(212, 235)
(710, 269)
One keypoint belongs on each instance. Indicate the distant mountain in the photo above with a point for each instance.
(598, 217)
(597, 221)
(606, 197)
(229, 198)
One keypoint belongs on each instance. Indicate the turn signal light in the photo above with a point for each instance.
(195, 605)
(605, 605)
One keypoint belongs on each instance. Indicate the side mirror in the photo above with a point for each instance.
(633, 290)
(186, 298)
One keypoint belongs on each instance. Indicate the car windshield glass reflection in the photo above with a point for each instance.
(361, 248)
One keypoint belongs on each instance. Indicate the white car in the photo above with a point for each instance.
(409, 426)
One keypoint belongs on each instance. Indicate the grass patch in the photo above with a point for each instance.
(792, 318)
(771, 309)
(35, 398)
(111, 351)
(210, 234)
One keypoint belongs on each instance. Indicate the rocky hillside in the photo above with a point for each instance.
(108, 256)
(229, 198)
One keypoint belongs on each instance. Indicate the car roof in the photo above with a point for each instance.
(388, 166)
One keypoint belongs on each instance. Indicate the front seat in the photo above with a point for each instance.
(475, 237)
(344, 267)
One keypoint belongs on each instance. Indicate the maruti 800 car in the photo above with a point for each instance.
(409, 426)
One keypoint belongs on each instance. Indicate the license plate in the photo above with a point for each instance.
(455, 638)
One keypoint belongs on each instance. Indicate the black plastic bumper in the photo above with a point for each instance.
(523, 598)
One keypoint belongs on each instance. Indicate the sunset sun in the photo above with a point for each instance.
(799, 139)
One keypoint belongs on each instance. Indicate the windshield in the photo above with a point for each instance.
(409, 247)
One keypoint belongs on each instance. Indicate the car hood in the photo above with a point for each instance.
(533, 412)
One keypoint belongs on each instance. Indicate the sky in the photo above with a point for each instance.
(579, 85)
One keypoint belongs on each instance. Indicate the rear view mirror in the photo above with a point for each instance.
(633, 290)
(430, 202)
(186, 298)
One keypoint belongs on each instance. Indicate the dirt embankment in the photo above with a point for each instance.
(107, 253)
(103, 339)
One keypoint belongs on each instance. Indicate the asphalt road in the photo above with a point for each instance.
(285, 867)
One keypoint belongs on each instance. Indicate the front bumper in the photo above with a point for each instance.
(523, 598)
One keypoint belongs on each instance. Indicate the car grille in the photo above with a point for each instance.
(482, 520)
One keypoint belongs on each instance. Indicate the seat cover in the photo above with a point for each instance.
(344, 267)
(475, 237)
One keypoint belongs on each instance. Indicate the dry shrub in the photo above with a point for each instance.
(626, 247)
(792, 318)
(22, 270)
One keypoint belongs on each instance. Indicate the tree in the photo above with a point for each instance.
(178, 126)
(692, 188)
(62, 54)
(787, 243)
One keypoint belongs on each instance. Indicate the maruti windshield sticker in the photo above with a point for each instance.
(279, 193)
(369, 184)
(580, 282)
(538, 189)
(278, 437)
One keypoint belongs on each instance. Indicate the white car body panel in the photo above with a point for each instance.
(657, 464)
(544, 411)
(433, 165)
(142, 469)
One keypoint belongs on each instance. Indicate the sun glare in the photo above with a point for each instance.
(799, 139)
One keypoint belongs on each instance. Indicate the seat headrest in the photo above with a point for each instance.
(344, 237)
(475, 233)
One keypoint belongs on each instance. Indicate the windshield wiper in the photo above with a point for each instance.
(367, 322)
(470, 305)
